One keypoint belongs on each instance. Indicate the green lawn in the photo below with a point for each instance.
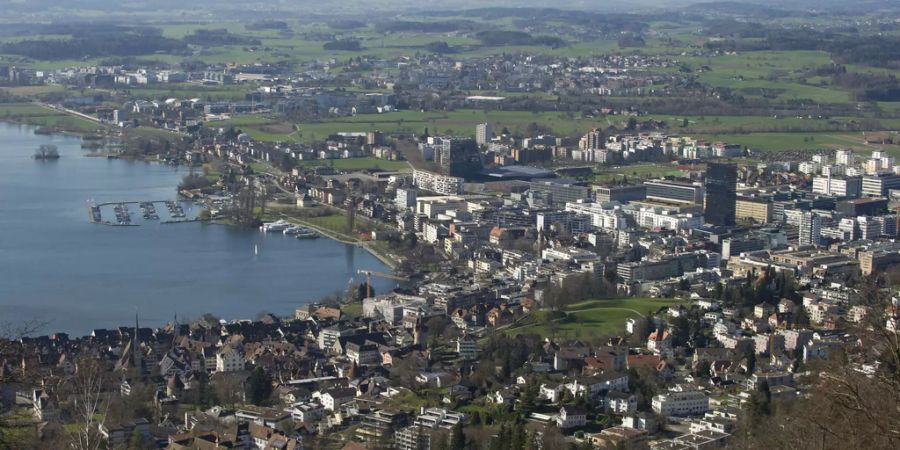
(637, 171)
(596, 317)
(358, 163)
(795, 141)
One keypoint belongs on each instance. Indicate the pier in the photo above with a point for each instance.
(150, 210)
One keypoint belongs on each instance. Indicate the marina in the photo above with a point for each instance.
(160, 211)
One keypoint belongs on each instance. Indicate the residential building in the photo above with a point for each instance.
(683, 401)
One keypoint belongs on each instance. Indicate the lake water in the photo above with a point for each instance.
(57, 266)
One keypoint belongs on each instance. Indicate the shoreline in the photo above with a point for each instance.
(335, 237)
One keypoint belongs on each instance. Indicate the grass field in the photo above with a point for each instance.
(637, 171)
(32, 114)
(793, 141)
(359, 164)
(596, 317)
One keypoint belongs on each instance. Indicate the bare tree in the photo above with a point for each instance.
(87, 387)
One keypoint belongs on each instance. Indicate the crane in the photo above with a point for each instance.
(370, 273)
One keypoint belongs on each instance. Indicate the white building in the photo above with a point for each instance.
(434, 182)
(682, 401)
(483, 133)
(229, 359)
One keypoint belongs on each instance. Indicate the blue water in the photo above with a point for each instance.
(58, 267)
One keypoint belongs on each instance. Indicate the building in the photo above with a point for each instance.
(440, 184)
(879, 185)
(721, 194)
(483, 133)
(457, 157)
(675, 191)
(684, 401)
(621, 194)
(229, 359)
(838, 186)
(561, 191)
(571, 417)
(332, 399)
(466, 347)
(405, 198)
(735, 246)
(810, 228)
(869, 206)
(758, 210)
(378, 426)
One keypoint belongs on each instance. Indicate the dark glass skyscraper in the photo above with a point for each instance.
(721, 194)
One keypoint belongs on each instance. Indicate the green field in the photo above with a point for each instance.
(358, 164)
(637, 171)
(595, 317)
(794, 141)
(32, 114)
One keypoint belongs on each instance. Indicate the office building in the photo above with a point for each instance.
(755, 209)
(721, 194)
(457, 157)
(558, 192)
(837, 186)
(862, 206)
(675, 191)
(878, 185)
(621, 194)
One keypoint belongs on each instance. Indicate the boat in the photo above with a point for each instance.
(308, 234)
(278, 226)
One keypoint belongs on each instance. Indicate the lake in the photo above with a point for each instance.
(57, 266)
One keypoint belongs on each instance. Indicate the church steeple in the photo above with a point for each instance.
(136, 344)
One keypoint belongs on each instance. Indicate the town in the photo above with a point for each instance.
(577, 261)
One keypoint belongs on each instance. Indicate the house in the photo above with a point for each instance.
(618, 437)
(571, 417)
(504, 397)
(117, 435)
(640, 421)
(659, 342)
(332, 399)
(551, 392)
(362, 353)
(306, 412)
(621, 403)
(434, 379)
(229, 359)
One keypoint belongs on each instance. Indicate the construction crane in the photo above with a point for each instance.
(370, 273)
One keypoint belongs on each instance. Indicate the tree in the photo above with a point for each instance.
(632, 124)
(87, 404)
(259, 387)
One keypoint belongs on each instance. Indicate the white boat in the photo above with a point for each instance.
(278, 226)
